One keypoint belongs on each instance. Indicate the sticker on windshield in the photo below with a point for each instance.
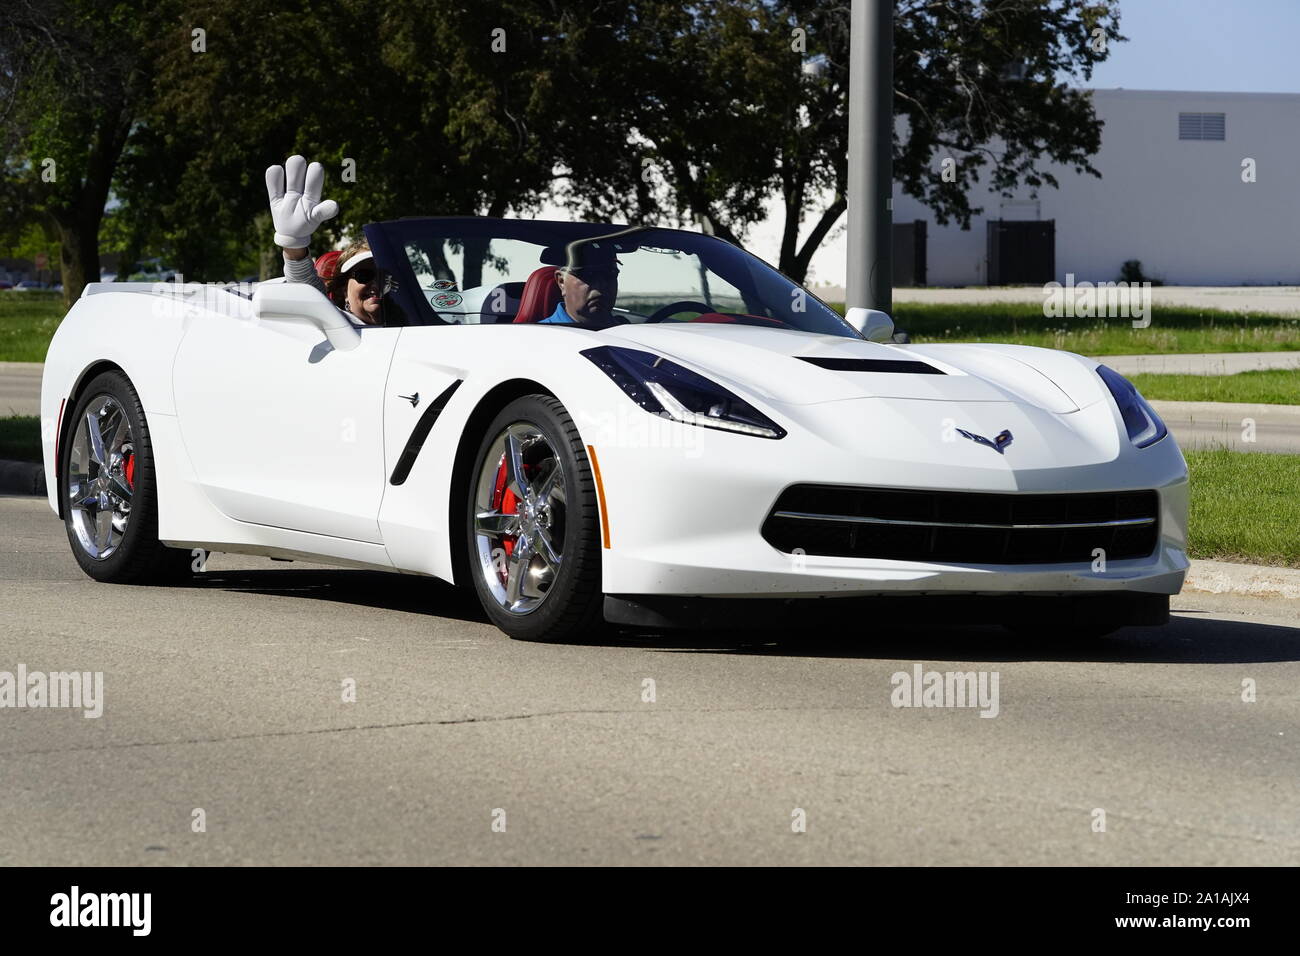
(447, 300)
(442, 284)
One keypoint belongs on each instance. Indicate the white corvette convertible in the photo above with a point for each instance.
(726, 448)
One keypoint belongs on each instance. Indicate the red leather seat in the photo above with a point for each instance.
(540, 297)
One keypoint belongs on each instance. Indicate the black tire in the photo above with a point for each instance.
(571, 608)
(139, 557)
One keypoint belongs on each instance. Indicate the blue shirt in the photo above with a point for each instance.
(559, 316)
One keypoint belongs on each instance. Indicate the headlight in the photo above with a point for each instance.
(665, 388)
(1140, 419)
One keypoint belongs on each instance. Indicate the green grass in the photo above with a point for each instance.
(27, 323)
(1245, 506)
(1279, 386)
(1172, 329)
(20, 438)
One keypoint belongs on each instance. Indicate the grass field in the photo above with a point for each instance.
(20, 438)
(1267, 386)
(27, 323)
(1245, 507)
(1171, 329)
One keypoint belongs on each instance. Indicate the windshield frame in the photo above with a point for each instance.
(388, 241)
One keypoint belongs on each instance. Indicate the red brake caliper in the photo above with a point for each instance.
(504, 502)
(129, 470)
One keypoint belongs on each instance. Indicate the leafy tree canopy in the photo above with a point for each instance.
(645, 110)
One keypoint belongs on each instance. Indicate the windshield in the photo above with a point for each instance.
(494, 271)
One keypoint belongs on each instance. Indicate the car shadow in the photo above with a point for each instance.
(1184, 640)
(1189, 637)
(411, 593)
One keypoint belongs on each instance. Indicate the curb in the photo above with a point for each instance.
(1252, 580)
(22, 478)
(1200, 363)
(1226, 413)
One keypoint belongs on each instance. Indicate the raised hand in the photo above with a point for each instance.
(296, 206)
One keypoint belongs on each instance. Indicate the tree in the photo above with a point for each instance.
(650, 110)
(71, 85)
(740, 99)
(463, 119)
(987, 83)
(700, 93)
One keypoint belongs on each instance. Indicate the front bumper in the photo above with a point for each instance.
(685, 515)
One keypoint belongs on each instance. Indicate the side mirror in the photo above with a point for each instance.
(297, 300)
(875, 326)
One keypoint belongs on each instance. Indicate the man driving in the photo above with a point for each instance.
(588, 284)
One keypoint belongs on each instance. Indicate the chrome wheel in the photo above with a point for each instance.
(101, 477)
(519, 518)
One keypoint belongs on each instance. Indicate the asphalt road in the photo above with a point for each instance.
(227, 697)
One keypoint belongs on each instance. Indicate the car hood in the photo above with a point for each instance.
(798, 368)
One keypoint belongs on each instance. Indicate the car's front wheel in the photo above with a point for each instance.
(110, 491)
(532, 525)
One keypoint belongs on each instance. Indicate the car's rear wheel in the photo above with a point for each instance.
(110, 491)
(532, 525)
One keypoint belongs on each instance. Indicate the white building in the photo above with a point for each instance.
(1177, 193)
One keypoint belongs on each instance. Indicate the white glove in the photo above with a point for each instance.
(296, 207)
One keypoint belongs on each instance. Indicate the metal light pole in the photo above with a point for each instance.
(871, 158)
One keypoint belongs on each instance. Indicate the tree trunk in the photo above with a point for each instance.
(796, 265)
(79, 259)
(80, 219)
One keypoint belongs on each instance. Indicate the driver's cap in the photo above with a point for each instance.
(590, 254)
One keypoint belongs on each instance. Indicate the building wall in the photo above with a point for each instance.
(1179, 206)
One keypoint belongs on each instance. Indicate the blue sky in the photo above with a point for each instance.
(1245, 46)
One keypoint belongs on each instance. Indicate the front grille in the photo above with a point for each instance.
(962, 526)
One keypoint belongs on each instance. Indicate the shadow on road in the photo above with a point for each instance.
(411, 593)
(1188, 638)
(1184, 640)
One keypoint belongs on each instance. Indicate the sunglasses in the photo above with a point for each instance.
(363, 274)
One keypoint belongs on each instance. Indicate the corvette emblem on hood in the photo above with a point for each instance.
(998, 444)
